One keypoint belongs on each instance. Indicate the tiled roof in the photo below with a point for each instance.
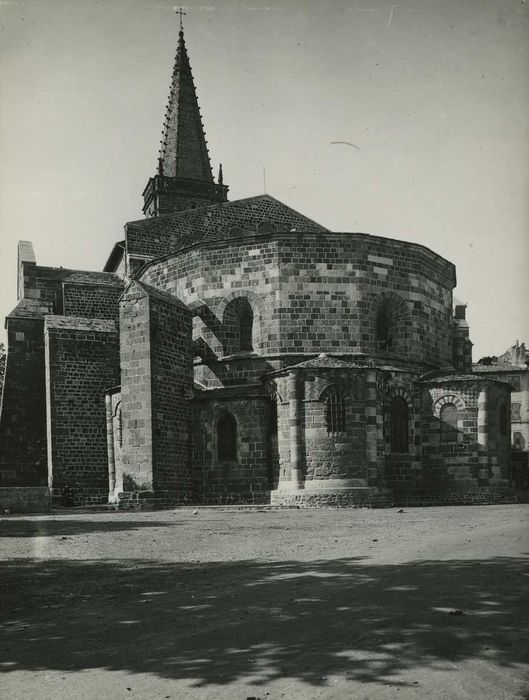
(451, 378)
(165, 235)
(497, 368)
(31, 308)
(154, 293)
(324, 361)
(61, 274)
(79, 323)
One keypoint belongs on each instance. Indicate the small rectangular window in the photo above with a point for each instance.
(515, 411)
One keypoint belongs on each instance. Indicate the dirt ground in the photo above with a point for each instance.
(360, 604)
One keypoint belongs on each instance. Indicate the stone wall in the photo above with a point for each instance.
(23, 406)
(156, 390)
(24, 499)
(316, 292)
(324, 455)
(400, 468)
(68, 292)
(82, 361)
(91, 301)
(247, 478)
(479, 454)
(136, 399)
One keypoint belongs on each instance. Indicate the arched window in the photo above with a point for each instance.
(227, 438)
(266, 226)
(246, 330)
(239, 326)
(382, 328)
(398, 421)
(448, 421)
(335, 411)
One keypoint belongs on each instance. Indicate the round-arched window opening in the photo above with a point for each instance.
(246, 330)
(382, 329)
(227, 438)
(398, 422)
(448, 423)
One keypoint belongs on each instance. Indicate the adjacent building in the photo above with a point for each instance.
(513, 368)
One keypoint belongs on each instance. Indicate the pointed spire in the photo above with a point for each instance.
(184, 152)
(183, 178)
(220, 179)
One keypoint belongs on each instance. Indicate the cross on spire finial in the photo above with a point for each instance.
(181, 13)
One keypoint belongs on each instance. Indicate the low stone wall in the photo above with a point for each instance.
(235, 498)
(384, 498)
(465, 497)
(342, 498)
(24, 499)
(158, 500)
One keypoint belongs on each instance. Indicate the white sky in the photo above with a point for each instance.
(434, 94)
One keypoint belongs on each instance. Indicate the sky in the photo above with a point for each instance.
(433, 95)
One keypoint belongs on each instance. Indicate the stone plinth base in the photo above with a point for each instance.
(337, 496)
(24, 499)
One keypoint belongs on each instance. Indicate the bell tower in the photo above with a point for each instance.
(184, 179)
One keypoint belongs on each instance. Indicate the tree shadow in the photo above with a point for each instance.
(218, 623)
(50, 527)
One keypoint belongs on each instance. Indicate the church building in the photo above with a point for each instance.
(239, 352)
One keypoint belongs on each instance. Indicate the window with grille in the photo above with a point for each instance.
(398, 422)
(448, 420)
(227, 438)
(515, 411)
(335, 412)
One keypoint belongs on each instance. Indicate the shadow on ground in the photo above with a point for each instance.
(48, 527)
(222, 622)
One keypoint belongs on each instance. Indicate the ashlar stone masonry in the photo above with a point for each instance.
(239, 352)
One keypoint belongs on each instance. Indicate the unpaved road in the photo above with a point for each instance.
(360, 604)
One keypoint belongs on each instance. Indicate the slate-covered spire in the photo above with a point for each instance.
(183, 152)
(184, 179)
